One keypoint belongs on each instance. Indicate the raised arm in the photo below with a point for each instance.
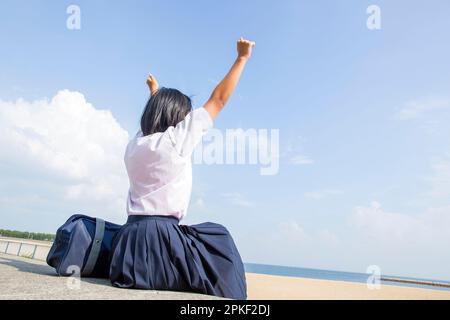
(225, 88)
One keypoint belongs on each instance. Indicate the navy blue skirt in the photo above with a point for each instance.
(156, 252)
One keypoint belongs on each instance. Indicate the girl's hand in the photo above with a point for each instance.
(152, 84)
(244, 48)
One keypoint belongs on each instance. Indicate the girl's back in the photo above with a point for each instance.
(159, 167)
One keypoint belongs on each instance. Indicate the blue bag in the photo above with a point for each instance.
(83, 245)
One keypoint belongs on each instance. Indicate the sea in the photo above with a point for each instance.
(343, 276)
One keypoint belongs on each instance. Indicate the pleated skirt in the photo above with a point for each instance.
(156, 252)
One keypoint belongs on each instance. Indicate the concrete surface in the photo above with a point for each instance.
(29, 279)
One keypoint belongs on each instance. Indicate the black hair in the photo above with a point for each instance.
(164, 109)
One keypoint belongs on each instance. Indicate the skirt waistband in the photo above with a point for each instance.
(137, 218)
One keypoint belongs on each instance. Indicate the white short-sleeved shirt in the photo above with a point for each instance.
(159, 167)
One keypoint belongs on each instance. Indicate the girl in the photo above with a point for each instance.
(152, 250)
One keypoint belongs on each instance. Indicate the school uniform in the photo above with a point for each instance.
(153, 250)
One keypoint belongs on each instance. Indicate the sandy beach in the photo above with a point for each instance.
(262, 286)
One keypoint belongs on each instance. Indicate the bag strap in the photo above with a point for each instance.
(95, 248)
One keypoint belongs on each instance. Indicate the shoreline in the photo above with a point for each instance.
(346, 276)
(271, 287)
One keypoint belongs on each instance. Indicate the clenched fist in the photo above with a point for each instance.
(244, 48)
(152, 84)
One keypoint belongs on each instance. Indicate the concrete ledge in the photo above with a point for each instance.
(25, 248)
(28, 279)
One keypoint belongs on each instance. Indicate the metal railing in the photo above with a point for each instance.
(24, 248)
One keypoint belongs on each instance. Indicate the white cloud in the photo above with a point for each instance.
(293, 231)
(429, 229)
(313, 195)
(290, 242)
(440, 179)
(199, 202)
(237, 199)
(415, 109)
(318, 195)
(301, 160)
(292, 151)
(68, 145)
(296, 234)
(403, 244)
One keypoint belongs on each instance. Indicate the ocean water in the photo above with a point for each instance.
(335, 275)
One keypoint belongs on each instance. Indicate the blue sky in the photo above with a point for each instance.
(369, 108)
